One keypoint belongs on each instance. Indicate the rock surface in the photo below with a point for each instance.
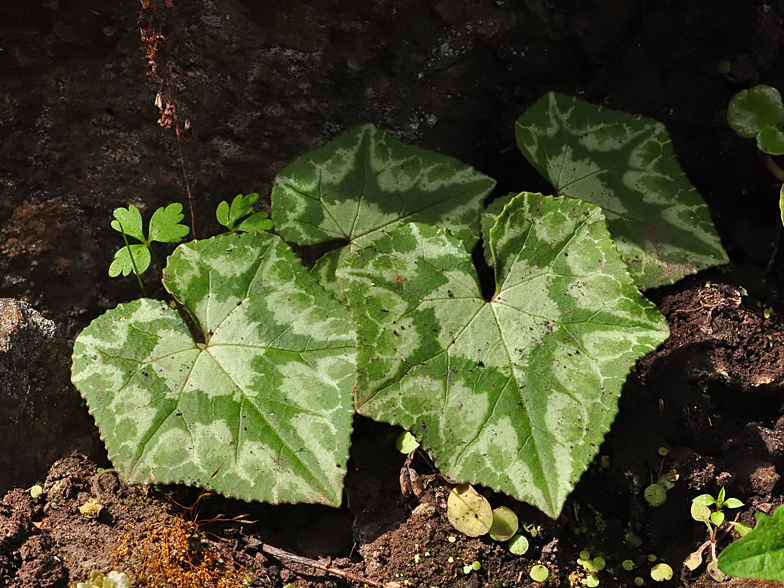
(41, 418)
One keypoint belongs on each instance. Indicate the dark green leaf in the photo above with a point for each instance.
(625, 164)
(752, 110)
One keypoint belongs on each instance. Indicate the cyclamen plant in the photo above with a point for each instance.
(514, 392)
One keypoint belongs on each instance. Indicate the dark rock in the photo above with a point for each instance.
(41, 415)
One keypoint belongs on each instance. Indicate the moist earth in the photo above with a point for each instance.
(262, 83)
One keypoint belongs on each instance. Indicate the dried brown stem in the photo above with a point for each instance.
(286, 556)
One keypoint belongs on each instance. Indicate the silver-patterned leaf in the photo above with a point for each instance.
(515, 393)
(265, 400)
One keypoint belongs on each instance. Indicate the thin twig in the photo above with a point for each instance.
(286, 556)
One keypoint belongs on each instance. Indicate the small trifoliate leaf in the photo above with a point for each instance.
(265, 400)
(165, 226)
(122, 263)
(242, 206)
(515, 393)
(468, 511)
(129, 221)
(625, 164)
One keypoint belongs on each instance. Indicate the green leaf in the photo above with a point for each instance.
(752, 110)
(505, 524)
(243, 206)
(365, 182)
(265, 400)
(122, 263)
(760, 554)
(700, 512)
(626, 165)
(771, 140)
(131, 220)
(705, 500)
(468, 511)
(515, 393)
(259, 223)
(165, 225)
(733, 503)
(717, 518)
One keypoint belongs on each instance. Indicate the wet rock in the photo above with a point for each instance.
(41, 414)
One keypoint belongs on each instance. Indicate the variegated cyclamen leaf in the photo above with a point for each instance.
(626, 165)
(364, 182)
(515, 393)
(265, 401)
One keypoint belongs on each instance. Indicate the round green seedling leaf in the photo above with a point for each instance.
(263, 402)
(406, 442)
(655, 495)
(771, 140)
(661, 572)
(752, 110)
(505, 524)
(468, 511)
(518, 544)
(592, 580)
(539, 573)
(626, 164)
(366, 182)
(517, 392)
(700, 512)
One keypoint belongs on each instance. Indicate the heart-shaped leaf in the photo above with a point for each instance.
(364, 182)
(515, 393)
(266, 400)
(626, 165)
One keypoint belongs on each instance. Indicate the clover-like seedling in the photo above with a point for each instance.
(759, 113)
(110, 580)
(714, 518)
(241, 207)
(165, 227)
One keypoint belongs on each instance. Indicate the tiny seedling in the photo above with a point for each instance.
(539, 573)
(165, 227)
(661, 572)
(110, 580)
(758, 113)
(592, 567)
(707, 509)
(241, 207)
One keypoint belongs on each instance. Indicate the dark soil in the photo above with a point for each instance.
(264, 82)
